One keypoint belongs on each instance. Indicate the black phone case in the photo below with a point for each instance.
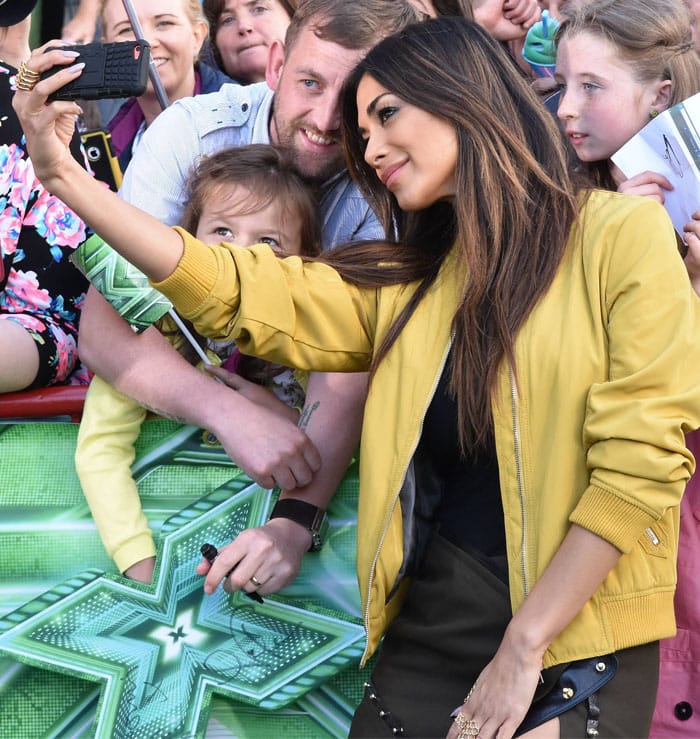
(118, 70)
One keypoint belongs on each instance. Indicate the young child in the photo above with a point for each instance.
(247, 195)
(620, 63)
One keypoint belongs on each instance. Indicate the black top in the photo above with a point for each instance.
(466, 505)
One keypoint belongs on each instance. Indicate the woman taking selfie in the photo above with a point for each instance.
(523, 450)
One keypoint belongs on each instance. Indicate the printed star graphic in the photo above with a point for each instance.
(184, 632)
(161, 652)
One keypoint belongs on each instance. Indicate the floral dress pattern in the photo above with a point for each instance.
(39, 287)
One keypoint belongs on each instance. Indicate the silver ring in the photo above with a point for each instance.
(256, 582)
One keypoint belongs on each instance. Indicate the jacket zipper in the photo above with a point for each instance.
(519, 478)
(396, 495)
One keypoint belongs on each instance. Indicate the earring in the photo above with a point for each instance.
(653, 114)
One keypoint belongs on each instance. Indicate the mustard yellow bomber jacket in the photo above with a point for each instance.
(589, 425)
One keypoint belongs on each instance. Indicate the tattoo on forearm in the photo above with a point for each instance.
(165, 414)
(306, 415)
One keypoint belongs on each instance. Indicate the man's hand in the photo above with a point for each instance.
(265, 445)
(270, 449)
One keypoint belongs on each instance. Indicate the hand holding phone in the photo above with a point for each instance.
(117, 70)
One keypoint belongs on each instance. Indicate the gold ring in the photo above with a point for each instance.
(26, 78)
(256, 582)
(468, 727)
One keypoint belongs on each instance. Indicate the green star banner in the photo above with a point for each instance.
(85, 652)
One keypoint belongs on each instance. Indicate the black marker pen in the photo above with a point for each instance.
(210, 553)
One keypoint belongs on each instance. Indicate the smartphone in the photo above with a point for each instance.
(100, 154)
(118, 70)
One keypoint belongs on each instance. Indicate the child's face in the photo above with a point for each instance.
(226, 217)
(602, 105)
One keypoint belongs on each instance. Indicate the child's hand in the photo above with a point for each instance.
(648, 184)
(691, 236)
(506, 24)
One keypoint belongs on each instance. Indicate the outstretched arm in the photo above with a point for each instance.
(269, 448)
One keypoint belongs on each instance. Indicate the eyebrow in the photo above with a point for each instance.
(160, 16)
(309, 72)
(373, 105)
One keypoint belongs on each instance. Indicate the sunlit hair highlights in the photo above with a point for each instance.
(514, 203)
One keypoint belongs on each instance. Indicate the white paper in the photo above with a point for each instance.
(669, 145)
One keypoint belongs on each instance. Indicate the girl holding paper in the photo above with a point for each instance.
(619, 64)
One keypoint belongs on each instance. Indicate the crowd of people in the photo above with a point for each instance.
(383, 237)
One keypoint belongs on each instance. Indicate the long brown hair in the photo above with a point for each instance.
(512, 213)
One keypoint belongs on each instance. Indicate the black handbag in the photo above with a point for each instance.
(564, 686)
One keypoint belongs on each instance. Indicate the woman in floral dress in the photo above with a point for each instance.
(40, 290)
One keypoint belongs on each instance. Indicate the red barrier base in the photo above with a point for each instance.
(63, 403)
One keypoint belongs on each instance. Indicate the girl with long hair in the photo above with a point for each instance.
(619, 64)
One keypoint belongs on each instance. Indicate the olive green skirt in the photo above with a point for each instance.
(448, 630)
